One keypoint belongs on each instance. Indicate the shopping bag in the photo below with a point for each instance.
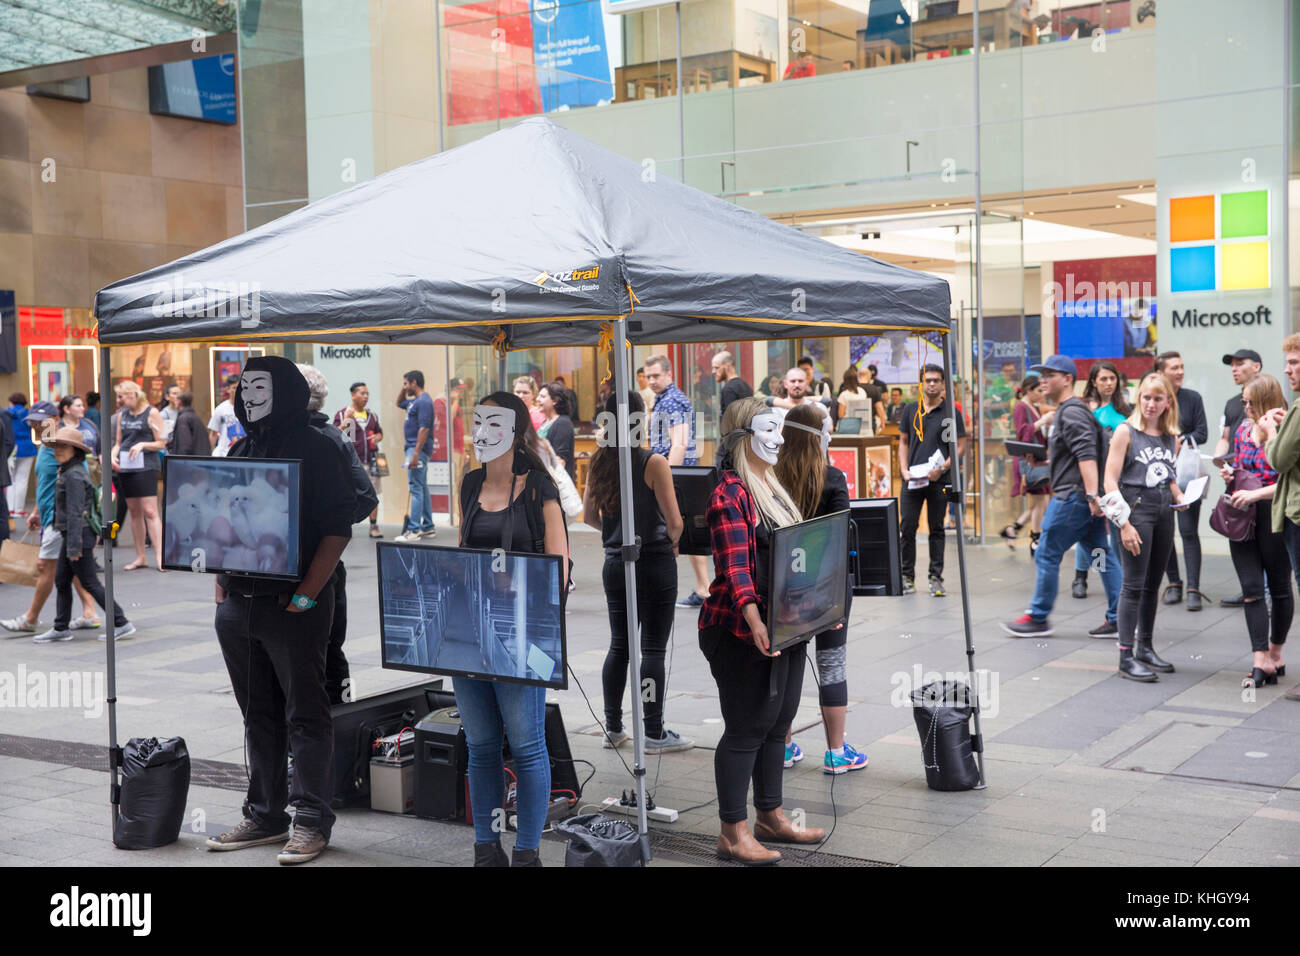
(1190, 465)
(18, 561)
(570, 500)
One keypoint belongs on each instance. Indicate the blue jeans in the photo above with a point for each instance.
(1083, 557)
(1066, 523)
(487, 710)
(421, 517)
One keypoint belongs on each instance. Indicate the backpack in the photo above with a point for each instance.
(94, 514)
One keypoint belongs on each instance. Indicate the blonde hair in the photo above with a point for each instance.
(1169, 420)
(770, 497)
(131, 388)
(1264, 393)
(525, 380)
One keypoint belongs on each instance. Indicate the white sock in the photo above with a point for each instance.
(839, 752)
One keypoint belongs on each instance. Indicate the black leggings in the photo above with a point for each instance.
(656, 599)
(1188, 529)
(759, 696)
(1138, 599)
(1264, 560)
(832, 664)
(84, 570)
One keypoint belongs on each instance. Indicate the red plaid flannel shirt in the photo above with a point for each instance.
(732, 519)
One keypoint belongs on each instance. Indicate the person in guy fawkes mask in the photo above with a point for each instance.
(274, 633)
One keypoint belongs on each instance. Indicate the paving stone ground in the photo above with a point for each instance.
(1083, 768)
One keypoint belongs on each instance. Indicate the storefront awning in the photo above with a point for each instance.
(533, 233)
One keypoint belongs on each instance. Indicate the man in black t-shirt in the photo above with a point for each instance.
(1193, 426)
(924, 438)
(1246, 364)
(733, 386)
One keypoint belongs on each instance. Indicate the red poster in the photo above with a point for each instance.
(846, 460)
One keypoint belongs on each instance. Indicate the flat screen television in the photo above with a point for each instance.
(232, 515)
(462, 612)
(693, 485)
(202, 89)
(808, 579)
(874, 539)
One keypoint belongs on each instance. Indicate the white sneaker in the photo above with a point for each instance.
(431, 533)
(52, 635)
(406, 537)
(85, 623)
(20, 624)
(126, 630)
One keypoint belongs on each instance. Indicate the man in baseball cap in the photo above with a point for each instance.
(1074, 514)
(1246, 364)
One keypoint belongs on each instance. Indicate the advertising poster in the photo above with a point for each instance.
(846, 460)
(1106, 309)
(569, 50)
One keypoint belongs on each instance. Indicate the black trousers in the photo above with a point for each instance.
(1189, 531)
(1153, 518)
(656, 598)
(936, 511)
(336, 665)
(276, 662)
(759, 696)
(1264, 561)
(4, 513)
(84, 570)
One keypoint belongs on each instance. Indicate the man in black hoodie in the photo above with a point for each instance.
(274, 634)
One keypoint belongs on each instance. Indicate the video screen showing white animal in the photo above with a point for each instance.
(233, 515)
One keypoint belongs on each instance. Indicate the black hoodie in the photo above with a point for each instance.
(328, 500)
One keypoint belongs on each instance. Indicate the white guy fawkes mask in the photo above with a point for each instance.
(823, 434)
(826, 434)
(767, 438)
(494, 431)
(256, 394)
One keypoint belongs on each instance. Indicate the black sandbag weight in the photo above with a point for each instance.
(151, 800)
(942, 710)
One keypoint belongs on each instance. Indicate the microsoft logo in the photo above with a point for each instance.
(1219, 242)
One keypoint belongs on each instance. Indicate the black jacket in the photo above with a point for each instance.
(6, 449)
(1191, 416)
(189, 435)
(367, 500)
(328, 501)
(1075, 437)
(72, 500)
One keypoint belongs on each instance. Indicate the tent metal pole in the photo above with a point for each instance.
(977, 399)
(630, 554)
(681, 107)
(501, 373)
(959, 490)
(109, 509)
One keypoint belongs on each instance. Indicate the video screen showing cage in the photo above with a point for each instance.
(232, 515)
(809, 587)
(482, 614)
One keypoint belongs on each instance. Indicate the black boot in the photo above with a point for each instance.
(524, 858)
(1174, 593)
(1132, 668)
(1033, 542)
(1145, 653)
(490, 854)
(1080, 586)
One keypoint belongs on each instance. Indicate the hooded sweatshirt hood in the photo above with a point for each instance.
(289, 395)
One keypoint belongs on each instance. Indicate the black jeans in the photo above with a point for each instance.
(1189, 531)
(936, 509)
(336, 665)
(1261, 561)
(276, 662)
(1153, 518)
(84, 570)
(759, 696)
(656, 599)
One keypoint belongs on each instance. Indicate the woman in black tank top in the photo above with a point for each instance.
(658, 524)
(1141, 468)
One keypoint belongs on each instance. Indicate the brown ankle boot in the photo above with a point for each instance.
(747, 851)
(777, 828)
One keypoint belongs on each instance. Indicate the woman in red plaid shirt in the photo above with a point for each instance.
(758, 689)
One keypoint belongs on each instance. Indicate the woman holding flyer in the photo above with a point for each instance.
(140, 436)
(758, 688)
(511, 503)
(1141, 492)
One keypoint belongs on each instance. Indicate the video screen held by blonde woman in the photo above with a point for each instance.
(233, 515)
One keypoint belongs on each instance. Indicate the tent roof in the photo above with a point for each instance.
(532, 229)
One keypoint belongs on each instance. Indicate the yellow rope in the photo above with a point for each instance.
(605, 348)
(501, 342)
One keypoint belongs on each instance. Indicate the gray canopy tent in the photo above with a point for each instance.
(528, 237)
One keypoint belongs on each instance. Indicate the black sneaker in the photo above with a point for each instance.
(1027, 626)
(1107, 629)
(691, 600)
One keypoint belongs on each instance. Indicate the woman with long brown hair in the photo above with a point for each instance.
(758, 688)
(658, 524)
(819, 488)
(1105, 397)
(1262, 560)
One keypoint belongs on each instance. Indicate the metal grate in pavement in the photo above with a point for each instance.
(203, 773)
(700, 848)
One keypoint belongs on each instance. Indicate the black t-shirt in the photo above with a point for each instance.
(1233, 413)
(931, 430)
(487, 529)
(560, 435)
(735, 389)
(648, 520)
(874, 392)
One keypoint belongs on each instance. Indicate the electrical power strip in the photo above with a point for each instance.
(658, 814)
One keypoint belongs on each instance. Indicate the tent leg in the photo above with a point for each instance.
(958, 489)
(501, 373)
(630, 553)
(108, 507)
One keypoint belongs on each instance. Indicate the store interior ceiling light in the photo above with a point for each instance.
(39, 32)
